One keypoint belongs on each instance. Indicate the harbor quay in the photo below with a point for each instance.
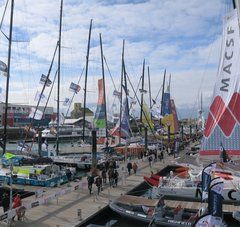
(76, 206)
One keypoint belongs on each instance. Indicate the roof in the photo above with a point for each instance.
(75, 120)
(137, 200)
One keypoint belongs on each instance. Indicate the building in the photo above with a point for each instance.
(18, 115)
(78, 111)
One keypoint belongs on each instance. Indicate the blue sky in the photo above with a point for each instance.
(180, 35)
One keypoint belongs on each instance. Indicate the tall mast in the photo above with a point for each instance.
(122, 71)
(104, 89)
(143, 71)
(59, 72)
(8, 76)
(163, 87)
(86, 74)
(150, 92)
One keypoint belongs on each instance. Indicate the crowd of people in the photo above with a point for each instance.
(16, 204)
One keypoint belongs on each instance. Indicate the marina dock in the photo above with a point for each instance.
(77, 207)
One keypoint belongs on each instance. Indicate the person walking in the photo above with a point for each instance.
(90, 180)
(5, 202)
(115, 176)
(150, 161)
(135, 167)
(104, 176)
(98, 183)
(129, 167)
(110, 177)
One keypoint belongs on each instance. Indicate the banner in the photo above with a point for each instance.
(74, 87)
(43, 80)
(223, 119)
(3, 68)
(37, 115)
(166, 108)
(99, 118)
(40, 97)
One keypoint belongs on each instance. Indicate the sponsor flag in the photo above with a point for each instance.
(74, 87)
(40, 96)
(44, 79)
(3, 68)
(36, 114)
(206, 179)
(215, 197)
(66, 102)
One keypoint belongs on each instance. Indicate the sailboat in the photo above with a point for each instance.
(221, 135)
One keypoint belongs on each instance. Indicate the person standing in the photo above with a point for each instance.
(135, 167)
(150, 161)
(5, 202)
(17, 202)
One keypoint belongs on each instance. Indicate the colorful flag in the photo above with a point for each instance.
(40, 96)
(117, 93)
(67, 102)
(9, 156)
(44, 79)
(74, 87)
(36, 114)
(142, 91)
(3, 68)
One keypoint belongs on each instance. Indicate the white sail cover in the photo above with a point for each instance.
(223, 121)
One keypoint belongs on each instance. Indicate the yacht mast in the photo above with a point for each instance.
(85, 86)
(122, 71)
(59, 71)
(143, 71)
(104, 89)
(8, 76)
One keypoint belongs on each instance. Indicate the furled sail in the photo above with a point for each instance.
(222, 126)
(125, 126)
(169, 113)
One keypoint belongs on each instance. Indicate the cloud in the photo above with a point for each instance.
(182, 36)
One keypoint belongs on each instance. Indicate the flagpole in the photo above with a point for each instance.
(8, 77)
(86, 75)
(59, 74)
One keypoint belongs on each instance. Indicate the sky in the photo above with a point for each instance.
(181, 36)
